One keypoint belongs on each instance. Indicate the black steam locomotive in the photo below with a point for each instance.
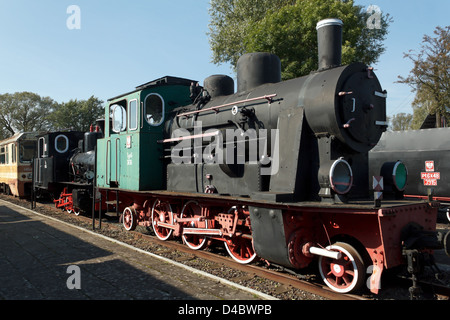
(65, 168)
(278, 170)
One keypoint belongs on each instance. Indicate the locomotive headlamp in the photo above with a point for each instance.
(400, 175)
(395, 174)
(341, 176)
(335, 178)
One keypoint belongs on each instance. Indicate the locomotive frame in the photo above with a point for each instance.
(351, 241)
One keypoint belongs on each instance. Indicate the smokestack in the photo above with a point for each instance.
(329, 36)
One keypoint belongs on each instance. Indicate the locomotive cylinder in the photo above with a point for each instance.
(351, 118)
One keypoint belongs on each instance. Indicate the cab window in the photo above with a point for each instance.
(154, 109)
(119, 118)
(27, 150)
(42, 148)
(133, 110)
(61, 143)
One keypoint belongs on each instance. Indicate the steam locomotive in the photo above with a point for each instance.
(278, 170)
(64, 169)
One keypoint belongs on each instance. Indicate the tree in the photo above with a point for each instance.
(422, 107)
(29, 112)
(401, 121)
(4, 133)
(288, 29)
(76, 114)
(430, 76)
(24, 112)
(229, 22)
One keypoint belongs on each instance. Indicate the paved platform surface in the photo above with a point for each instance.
(41, 259)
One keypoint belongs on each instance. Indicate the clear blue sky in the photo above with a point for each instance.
(412, 19)
(122, 44)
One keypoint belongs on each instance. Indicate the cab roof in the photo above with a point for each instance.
(164, 81)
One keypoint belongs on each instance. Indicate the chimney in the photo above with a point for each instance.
(329, 36)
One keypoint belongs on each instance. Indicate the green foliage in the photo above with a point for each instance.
(29, 112)
(401, 121)
(76, 114)
(430, 76)
(230, 20)
(24, 111)
(423, 105)
(288, 29)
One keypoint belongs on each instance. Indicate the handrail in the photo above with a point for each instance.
(267, 97)
(108, 147)
(197, 136)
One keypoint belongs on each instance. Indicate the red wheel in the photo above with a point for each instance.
(162, 212)
(65, 201)
(129, 219)
(193, 210)
(346, 274)
(240, 249)
(68, 203)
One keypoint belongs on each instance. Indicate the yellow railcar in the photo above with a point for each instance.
(16, 154)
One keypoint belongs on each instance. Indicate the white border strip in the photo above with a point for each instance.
(190, 269)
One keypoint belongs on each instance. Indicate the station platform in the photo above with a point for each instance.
(43, 259)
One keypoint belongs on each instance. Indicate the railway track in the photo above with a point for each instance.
(212, 261)
(273, 280)
(286, 280)
(282, 279)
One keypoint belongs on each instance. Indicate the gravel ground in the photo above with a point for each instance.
(275, 289)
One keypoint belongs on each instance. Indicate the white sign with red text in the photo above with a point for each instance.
(430, 178)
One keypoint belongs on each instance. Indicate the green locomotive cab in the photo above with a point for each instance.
(129, 155)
